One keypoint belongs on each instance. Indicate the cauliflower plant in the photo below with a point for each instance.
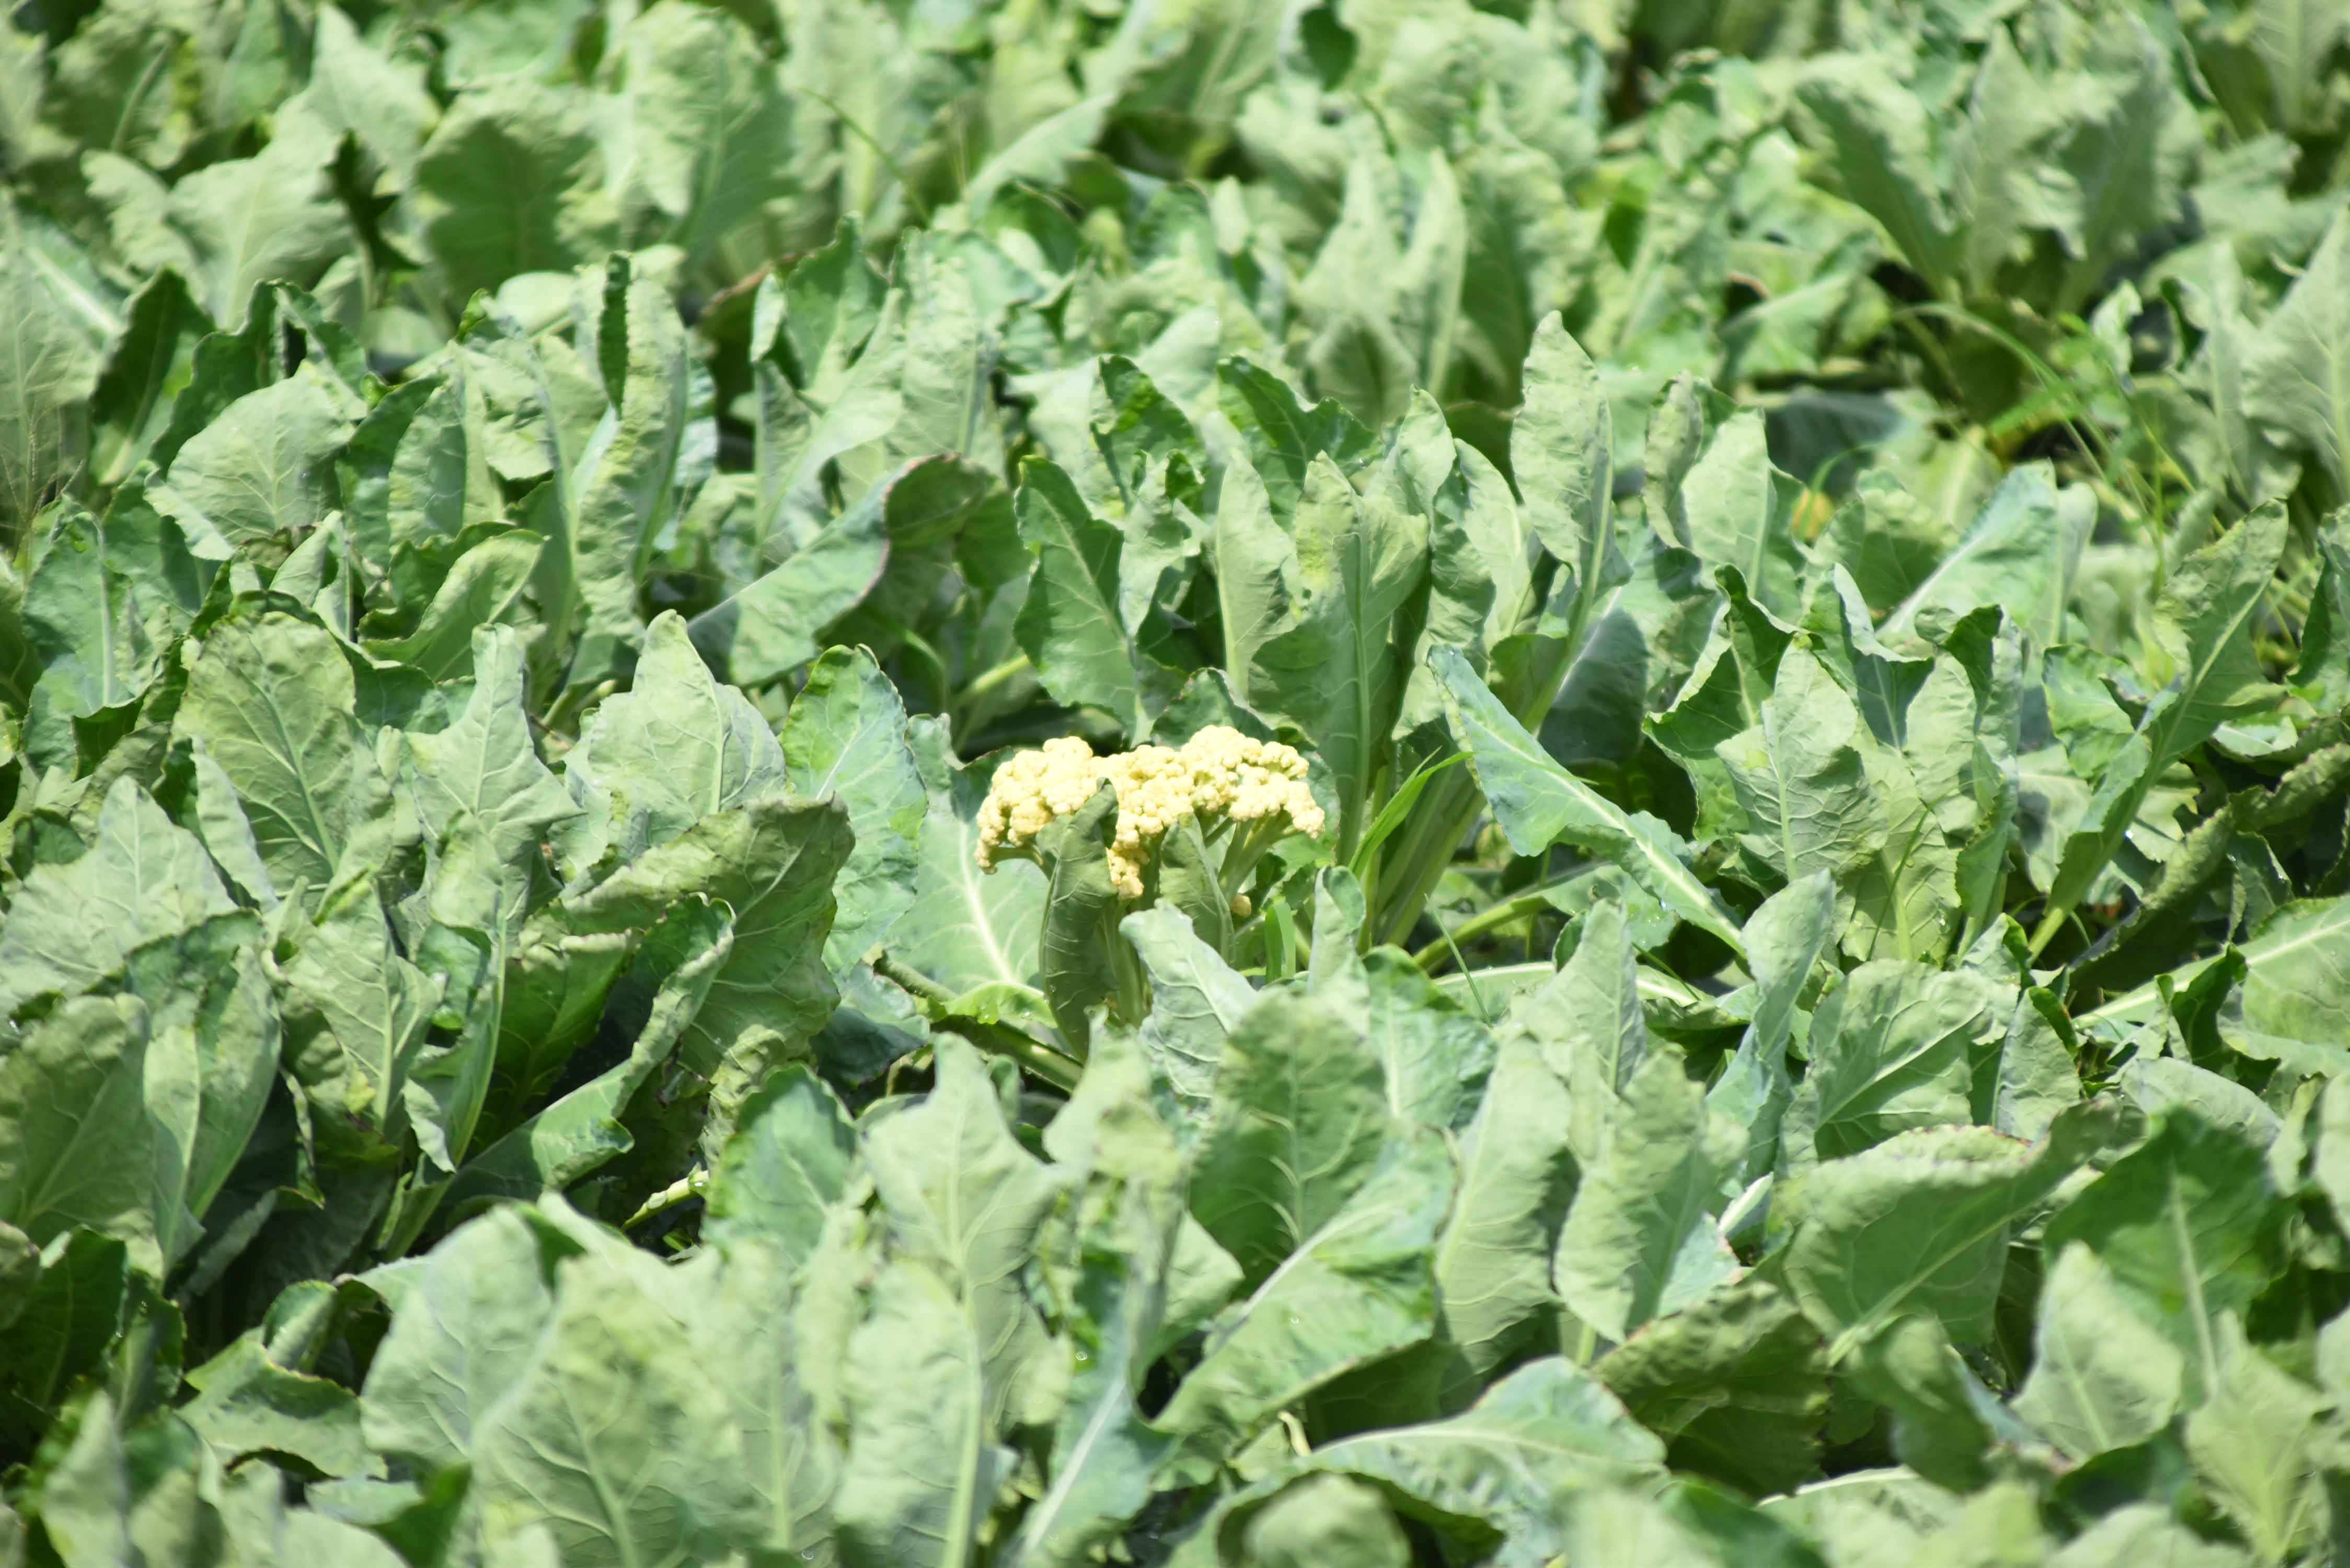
(1220, 778)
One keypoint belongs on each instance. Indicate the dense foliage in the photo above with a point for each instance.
(1801, 549)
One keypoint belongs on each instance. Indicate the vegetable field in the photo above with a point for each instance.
(1009, 783)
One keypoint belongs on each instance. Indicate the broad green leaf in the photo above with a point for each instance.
(465, 1320)
(924, 1464)
(2157, 1084)
(2145, 1532)
(1325, 1519)
(1542, 1436)
(966, 928)
(105, 601)
(419, 475)
(2261, 1442)
(712, 127)
(1517, 1176)
(1732, 508)
(1352, 1290)
(1935, 1208)
(788, 1163)
(792, 1466)
(636, 470)
(264, 466)
(1859, 1518)
(1482, 558)
(476, 905)
(1077, 952)
(484, 766)
(1641, 1528)
(774, 624)
(1041, 154)
(1798, 779)
(933, 500)
(1334, 972)
(1070, 622)
(1256, 570)
(1943, 1419)
(1189, 881)
(830, 383)
(1385, 309)
(2126, 161)
(846, 736)
(951, 349)
(356, 89)
(2254, 460)
(215, 1040)
(512, 181)
(2188, 1228)
(2107, 815)
(1881, 140)
(1197, 1002)
(1562, 456)
(2202, 623)
(556, 985)
(1539, 803)
(2037, 1078)
(246, 1402)
(2291, 986)
(964, 1197)
(1282, 438)
(48, 366)
(1130, 1228)
(250, 221)
(2322, 1148)
(2021, 552)
(1920, 704)
(613, 1436)
(771, 863)
(677, 747)
(1299, 1121)
(2298, 379)
(1723, 695)
(65, 1302)
(1998, 191)
(261, 1526)
(1334, 663)
(1906, 896)
(1736, 1385)
(129, 1496)
(77, 1143)
(1640, 1239)
(1587, 1022)
(2326, 634)
(73, 925)
(275, 704)
(377, 1005)
(1892, 1048)
(2102, 1377)
(575, 1134)
(485, 587)
(1522, 237)
(1436, 1054)
(1785, 938)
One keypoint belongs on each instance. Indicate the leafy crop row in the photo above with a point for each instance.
(1801, 551)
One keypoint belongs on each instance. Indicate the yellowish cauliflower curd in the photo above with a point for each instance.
(1219, 773)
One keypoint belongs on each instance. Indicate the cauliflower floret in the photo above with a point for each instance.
(1153, 794)
(1218, 772)
(1250, 780)
(1031, 790)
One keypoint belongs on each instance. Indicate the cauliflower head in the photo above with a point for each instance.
(1218, 772)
